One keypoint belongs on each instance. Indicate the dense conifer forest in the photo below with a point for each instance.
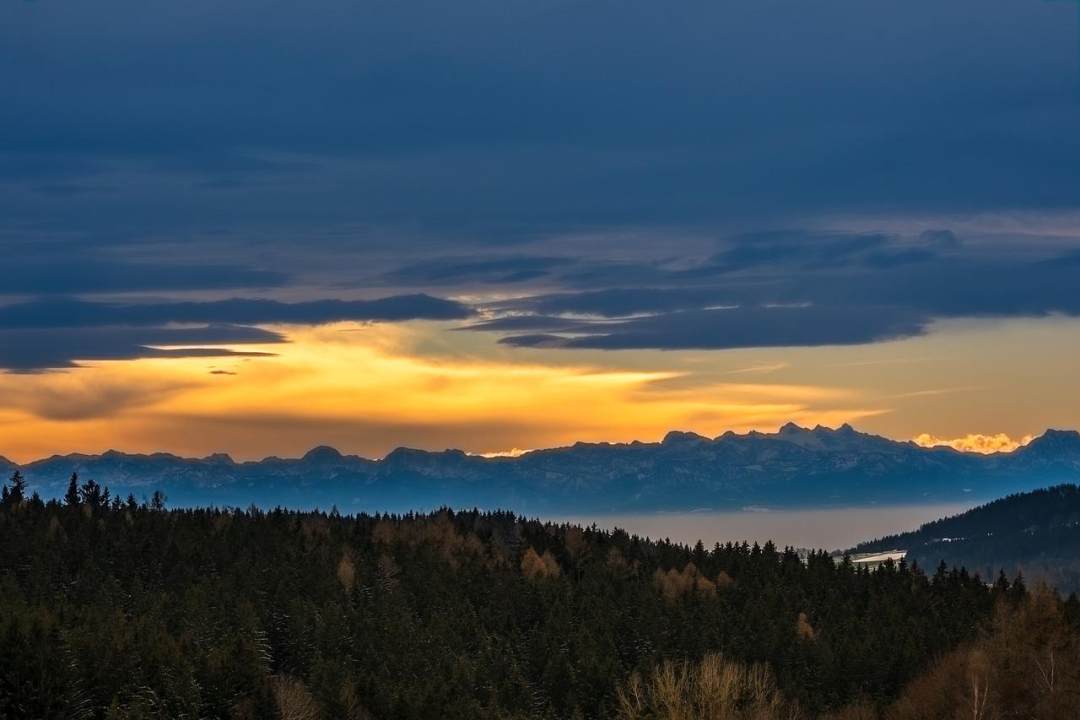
(112, 608)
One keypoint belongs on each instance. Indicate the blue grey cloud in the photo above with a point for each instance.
(460, 271)
(524, 118)
(806, 289)
(69, 313)
(68, 275)
(532, 324)
(620, 302)
(800, 249)
(46, 334)
(36, 349)
(739, 328)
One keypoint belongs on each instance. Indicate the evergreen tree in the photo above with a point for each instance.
(17, 493)
(1001, 587)
(71, 497)
(1018, 589)
(1072, 611)
(90, 492)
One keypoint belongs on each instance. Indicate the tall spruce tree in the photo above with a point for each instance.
(71, 497)
(17, 492)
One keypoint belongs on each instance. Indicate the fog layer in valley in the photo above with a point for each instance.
(831, 529)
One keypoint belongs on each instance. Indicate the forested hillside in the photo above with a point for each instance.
(115, 609)
(1036, 534)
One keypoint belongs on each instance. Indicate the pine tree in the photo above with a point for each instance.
(1072, 610)
(1001, 587)
(1018, 590)
(71, 497)
(17, 493)
(91, 493)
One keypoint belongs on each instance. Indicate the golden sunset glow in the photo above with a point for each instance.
(368, 389)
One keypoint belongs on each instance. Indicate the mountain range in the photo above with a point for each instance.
(794, 467)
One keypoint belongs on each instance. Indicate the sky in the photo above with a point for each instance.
(255, 227)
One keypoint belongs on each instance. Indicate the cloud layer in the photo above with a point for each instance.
(801, 289)
(481, 151)
(57, 333)
(506, 120)
(77, 313)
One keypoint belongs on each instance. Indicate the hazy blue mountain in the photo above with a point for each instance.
(1035, 533)
(795, 467)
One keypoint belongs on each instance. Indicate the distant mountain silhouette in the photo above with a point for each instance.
(1036, 534)
(795, 467)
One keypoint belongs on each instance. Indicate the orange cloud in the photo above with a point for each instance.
(974, 442)
(511, 453)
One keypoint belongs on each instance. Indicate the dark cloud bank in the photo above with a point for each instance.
(488, 121)
(769, 289)
(801, 289)
(790, 288)
(203, 150)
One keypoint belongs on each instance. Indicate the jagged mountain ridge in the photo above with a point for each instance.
(794, 467)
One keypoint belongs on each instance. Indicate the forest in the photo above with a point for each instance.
(115, 608)
(1035, 534)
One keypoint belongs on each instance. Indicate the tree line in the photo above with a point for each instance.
(116, 609)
